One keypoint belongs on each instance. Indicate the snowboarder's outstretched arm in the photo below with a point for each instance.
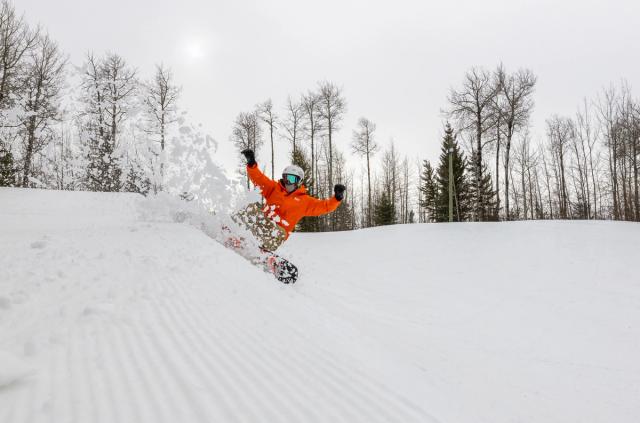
(265, 183)
(316, 207)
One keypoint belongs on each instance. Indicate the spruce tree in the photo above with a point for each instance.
(429, 190)
(299, 159)
(307, 223)
(461, 189)
(7, 169)
(344, 216)
(384, 211)
(103, 168)
(487, 194)
(136, 181)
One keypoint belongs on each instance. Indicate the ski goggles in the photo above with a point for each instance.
(291, 179)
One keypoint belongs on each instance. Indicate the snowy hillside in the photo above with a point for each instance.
(109, 316)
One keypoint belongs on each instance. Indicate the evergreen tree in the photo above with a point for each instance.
(136, 181)
(344, 215)
(429, 191)
(461, 190)
(103, 167)
(298, 158)
(384, 211)
(7, 169)
(487, 193)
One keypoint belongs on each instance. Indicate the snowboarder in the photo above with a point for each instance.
(286, 202)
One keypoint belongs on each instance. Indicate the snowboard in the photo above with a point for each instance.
(281, 268)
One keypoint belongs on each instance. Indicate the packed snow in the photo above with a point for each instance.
(114, 310)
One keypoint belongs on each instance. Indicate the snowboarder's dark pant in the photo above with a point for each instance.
(265, 230)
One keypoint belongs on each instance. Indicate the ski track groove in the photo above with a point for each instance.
(376, 393)
(174, 396)
(348, 400)
(331, 386)
(61, 404)
(272, 404)
(181, 371)
(38, 398)
(72, 380)
(173, 321)
(376, 388)
(281, 382)
(102, 365)
(278, 368)
(220, 377)
(128, 375)
(90, 376)
(187, 405)
(155, 405)
(339, 373)
(121, 390)
(283, 377)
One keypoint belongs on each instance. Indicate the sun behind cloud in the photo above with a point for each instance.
(196, 48)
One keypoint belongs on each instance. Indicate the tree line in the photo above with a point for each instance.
(101, 127)
(585, 167)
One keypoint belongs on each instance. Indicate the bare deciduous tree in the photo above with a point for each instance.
(516, 90)
(247, 133)
(365, 145)
(332, 109)
(311, 108)
(160, 99)
(294, 123)
(560, 132)
(40, 105)
(606, 107)
(121, 83)
(16, 40)
(268, 116)
(109, 89)
(471, 108)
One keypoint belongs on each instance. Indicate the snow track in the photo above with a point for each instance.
(107, 316)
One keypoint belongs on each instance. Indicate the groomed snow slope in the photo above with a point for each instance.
(106, 316)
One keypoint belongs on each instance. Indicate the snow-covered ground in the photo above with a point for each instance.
(108, 315)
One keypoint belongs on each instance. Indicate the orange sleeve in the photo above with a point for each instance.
(260, 179)
(315, 207)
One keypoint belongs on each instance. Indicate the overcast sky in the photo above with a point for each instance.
(395, 59)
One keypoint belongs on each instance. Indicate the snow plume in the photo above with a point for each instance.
(198, 192)
(193, 174)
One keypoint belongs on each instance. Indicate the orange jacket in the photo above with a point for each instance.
(284, 208)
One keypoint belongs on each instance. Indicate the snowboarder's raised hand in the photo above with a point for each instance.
(339, 191)
(250, 156)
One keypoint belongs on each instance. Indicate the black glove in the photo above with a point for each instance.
(250, 156)
(339, 191)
